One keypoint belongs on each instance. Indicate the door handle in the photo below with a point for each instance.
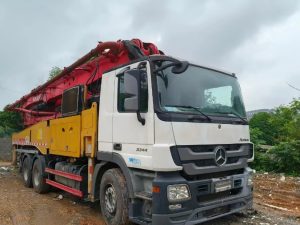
(117, 146)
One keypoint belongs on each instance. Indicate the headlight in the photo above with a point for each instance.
(250, 180)
(178, 192)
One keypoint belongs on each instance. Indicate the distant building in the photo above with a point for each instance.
(251, 113)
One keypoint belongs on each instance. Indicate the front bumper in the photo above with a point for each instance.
(205, 204)
(203, 214)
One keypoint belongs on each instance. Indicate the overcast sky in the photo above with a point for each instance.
(259, 40)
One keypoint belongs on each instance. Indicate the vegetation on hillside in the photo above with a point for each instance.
(10, 122)
(280, 131)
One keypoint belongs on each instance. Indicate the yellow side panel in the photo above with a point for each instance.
(73, 136)
(22, 137)
(40, 136)
(65, 136)
(89, 131)
(36, 135)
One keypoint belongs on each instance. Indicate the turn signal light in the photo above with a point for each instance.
(155, 189)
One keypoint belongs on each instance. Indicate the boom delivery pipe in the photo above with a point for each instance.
(105, 56)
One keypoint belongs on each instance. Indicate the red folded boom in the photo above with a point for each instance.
(44, 102)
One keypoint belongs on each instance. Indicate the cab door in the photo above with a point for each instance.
(131, 138)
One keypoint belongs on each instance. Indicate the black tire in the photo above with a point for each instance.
(114, 198)
(27, 172)
(38, 178)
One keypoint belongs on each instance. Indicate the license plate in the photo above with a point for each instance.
(223, 185)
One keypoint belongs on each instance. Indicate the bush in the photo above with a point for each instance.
(281, 129)
(282, 158)
(10, 122)
(262, 128)
(262, 160)
(286, 157)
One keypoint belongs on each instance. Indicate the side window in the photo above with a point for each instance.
(122, 95)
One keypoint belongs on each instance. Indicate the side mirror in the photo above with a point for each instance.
(180, 67)
(132, 87)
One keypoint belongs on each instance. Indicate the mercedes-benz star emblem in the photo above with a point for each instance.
(220, 156)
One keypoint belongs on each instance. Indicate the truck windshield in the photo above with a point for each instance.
(199, 91)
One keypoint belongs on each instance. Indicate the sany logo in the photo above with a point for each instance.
(24, 140)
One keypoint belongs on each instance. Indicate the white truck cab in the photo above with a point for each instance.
(180, 135)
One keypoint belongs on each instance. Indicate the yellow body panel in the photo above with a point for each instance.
(73, 136)
(89, 131)
(36, 135)
(65, 136)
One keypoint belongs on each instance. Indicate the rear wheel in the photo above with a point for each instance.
(27, 173)
(114, 198)
(39, 182)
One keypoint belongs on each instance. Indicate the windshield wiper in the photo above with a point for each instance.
(191, 107)
(236, 114)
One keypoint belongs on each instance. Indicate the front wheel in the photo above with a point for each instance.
(114, 198)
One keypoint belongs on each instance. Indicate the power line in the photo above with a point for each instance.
(298, 89)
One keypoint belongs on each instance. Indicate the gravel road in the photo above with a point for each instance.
(22, 206)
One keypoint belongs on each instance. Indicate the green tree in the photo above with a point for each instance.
(262, 128)
(285, 158)
(286, 121)
(54, 72)
(280, 129)
(257, 136)
(10, 122)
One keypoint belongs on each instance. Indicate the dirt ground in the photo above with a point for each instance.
(276, 201)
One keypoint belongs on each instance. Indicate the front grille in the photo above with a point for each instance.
(237, 183)
(205, 191)
(212, 175)
(213, 196)
(210, 148)
(201, 159)
(204, 162)
(216, 211)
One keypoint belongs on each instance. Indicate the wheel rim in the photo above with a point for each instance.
(25, 174)
(110, 199)
(36, 175)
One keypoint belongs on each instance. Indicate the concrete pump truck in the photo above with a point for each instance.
(153, 139)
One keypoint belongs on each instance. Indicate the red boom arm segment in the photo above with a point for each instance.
(44, 102)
